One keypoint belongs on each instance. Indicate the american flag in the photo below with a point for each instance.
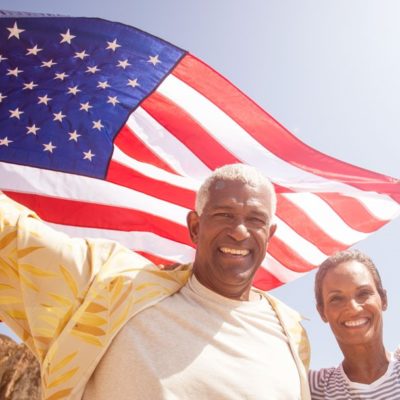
(107, 131)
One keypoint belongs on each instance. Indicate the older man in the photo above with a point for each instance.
(104, 324)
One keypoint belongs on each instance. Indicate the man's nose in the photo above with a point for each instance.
(239, 232)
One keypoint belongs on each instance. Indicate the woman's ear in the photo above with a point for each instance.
(384, 300)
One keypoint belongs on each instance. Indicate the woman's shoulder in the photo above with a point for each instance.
(322, 377)
(396, 354)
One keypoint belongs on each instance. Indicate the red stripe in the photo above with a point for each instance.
(352, 212)
(272, 135)
(301, 223)
(264, 280)
(130, 144)
(81, 214)
(125, 176)
(175, 120)
(288, 257)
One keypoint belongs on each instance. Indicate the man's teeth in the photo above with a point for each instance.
(358, 322)
(235, 252)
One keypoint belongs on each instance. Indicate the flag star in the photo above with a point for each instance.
(103, 85)
(15, 31)
(92, 70)
(29, 86)
(33, 50)
(85, 106)
(123, 63)
(44, 99)
(112, 100)
(154, 60)
(133, 82)
(32, 129)
(14, 71)
(49, 147)
(48, 64)
(60, 76)
(97, 125)
(113, 45)
(81, 55)
(5, 141)
(88, 155)
(66, 37)
(58, 116)
(2, 58)
(74, 135)
(73, 90)
(2, 97)
(15, 113)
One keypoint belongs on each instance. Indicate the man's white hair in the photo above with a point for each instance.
(234, 172)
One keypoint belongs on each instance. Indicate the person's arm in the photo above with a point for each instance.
(44, 275)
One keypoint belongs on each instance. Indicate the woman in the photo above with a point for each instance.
(350, 297)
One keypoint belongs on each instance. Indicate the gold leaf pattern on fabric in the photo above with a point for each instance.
(70, 281)
(28, 250)
(7, 239)
(29, 283)
(9, 300)
(41, 273)
(122, 298)
(92, 319)
(17, 314)
(61, 299)
(65, 361)
(62, 394)
(87, 338)
(89, 329)
(95, 308)
(63, 378)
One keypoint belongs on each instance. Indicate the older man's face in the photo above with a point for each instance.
(231, 236)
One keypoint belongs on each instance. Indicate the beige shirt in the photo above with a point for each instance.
(197, 344)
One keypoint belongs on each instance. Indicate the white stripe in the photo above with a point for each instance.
(138, 241)
(282, 273)
(323, 216)
(236, 140)
(308, 251)
(81, 188)
(383, 207)
(154, 172)
(166, 146)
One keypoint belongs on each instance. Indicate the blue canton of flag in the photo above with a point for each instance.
(67, 90)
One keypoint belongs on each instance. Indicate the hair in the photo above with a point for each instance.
(234, 172)
(340, 258)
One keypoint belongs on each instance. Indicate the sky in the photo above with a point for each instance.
(327, 71)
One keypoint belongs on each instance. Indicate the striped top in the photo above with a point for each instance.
(333, 384)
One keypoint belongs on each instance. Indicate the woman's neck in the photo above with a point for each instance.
(365, 365)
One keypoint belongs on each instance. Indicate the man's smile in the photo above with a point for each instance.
(235, 252)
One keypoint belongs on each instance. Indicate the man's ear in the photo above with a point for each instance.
(272, 230)
(192, 221)
(320, 309)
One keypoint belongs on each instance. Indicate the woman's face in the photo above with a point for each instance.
(352, 305)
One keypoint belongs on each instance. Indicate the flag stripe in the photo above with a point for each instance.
(78, 213)
(272, 135)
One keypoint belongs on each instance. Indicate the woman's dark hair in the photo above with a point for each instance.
(340, 258)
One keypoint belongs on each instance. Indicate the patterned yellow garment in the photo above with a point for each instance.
(67, 298)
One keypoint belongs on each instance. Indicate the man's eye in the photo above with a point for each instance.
(223, 215)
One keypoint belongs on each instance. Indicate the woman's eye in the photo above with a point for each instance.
(335, 299)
